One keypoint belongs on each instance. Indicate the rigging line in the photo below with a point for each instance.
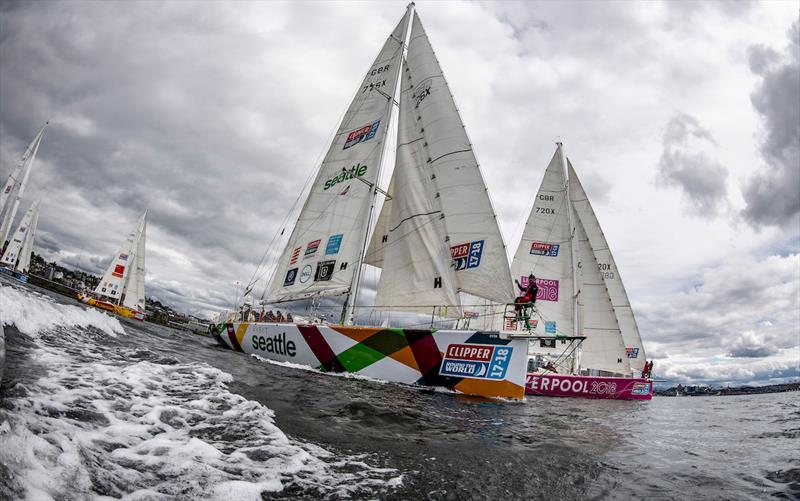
(412, 217)
(450, 153)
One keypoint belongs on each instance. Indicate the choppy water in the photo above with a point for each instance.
(92, 407)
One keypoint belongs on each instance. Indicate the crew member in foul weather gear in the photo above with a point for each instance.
(528, 293)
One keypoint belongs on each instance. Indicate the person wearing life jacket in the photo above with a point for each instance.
(528, 293)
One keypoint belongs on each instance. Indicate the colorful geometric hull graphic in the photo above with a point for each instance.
(482, 364)
(615, 388)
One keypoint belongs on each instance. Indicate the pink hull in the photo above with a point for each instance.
(615, 388)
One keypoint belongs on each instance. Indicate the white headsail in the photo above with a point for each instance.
(14, 187)
(115, 280)
(545, 251)
(440, 211)
(133, 293)
(326, 245)
(18, 253)
(607, 267)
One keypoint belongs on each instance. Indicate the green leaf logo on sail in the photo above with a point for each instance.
(357, 170)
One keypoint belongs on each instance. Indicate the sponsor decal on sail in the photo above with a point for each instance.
(550, 327)
(544, 249)
(311, 248)
(467, 255)
(548, 289)
(324, 271)
(361, 134)
(632, 352)
(119, 270)
(476, 361)
(123, 257)
(357, 170)
(295, 255)
(334, 243)
(305, 275)
(291, 275)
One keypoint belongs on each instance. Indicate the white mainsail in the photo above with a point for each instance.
(18, 253)
(326, 245)
(607, 267)
(560, 246)
(545, 251)
(14, 187)
(115, 280)
(440, 213)
(133, 293)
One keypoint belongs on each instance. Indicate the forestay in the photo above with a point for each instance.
(442, 212)
(545, 251)
(607, 267)
(18, 252)
(325, 246)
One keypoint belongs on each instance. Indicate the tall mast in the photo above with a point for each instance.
(573, 250)
(348, 309)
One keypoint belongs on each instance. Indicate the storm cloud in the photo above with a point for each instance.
(773, 192)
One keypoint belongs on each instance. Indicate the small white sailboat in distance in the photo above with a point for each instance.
(121, 289)
(16, 258)
(590, 346)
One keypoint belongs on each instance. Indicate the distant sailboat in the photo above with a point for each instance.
(121, 289)
(436, 237)
(580, 298)
(17, 257)
(14, 187)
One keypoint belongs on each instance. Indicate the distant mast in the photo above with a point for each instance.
(18, 253)
(14, 187)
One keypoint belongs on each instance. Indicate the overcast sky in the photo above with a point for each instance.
(682, 119)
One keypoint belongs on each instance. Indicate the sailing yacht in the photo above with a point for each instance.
(435, 238)
(16, 252)
(588, 344)
(121, 290)
(16, 258)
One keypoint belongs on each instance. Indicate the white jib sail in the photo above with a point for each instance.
(133, 292)
(417, 275)
(603, 348)
(324, 248)
(545, 251)
(443, 156)
(113, 282)
(14, 187)
(608, 269)
(18, 252)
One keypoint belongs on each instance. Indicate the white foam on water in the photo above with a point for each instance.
(31, 312)
(100, 425)
(344, 375)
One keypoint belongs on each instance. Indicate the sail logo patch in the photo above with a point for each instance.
(632, 352)
(324, 271)
(467, 255)
(311, 249)
(123, 257)
(550, 327)
(544, 249)
(476, 361)
(291, 275)
(362, 134)
(119, 270)
(295, 255)
(355, 171)
(305, 275)
(548, 289)
(334, 243)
